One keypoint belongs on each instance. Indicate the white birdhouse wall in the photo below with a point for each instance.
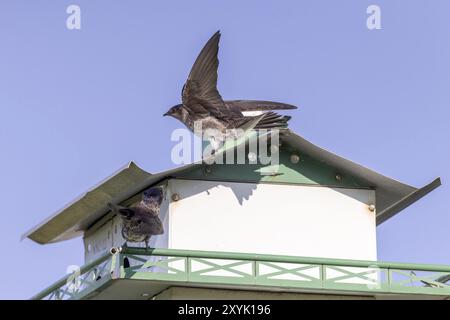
(273, 219)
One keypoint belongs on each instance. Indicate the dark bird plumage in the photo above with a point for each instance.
(141, 220)
(201, 101)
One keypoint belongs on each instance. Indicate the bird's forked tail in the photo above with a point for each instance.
(272, 120)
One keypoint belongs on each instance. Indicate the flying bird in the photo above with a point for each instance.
(141, 221)
(201, 101)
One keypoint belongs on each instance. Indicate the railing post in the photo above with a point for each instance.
(323, 275)
(188, 267)
(389, 279)
(255, 271)
(115, 265)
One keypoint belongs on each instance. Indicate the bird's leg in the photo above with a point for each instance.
(125, 244)
(146, 244)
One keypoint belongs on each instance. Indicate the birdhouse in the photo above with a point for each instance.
(307, 222)
(314, 204)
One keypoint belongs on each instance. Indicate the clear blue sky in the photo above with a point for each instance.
(77, 105)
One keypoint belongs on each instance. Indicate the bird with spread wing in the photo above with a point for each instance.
(221, 120)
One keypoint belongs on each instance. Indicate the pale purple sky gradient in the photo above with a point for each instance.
(77, 105)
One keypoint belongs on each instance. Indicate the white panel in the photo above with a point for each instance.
(274, 219)
(98, 243)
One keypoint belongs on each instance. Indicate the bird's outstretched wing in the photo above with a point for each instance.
(200, 93)
(256, 105)
(124, 212)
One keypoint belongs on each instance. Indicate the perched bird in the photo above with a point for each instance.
(141, 221)
(201, 101)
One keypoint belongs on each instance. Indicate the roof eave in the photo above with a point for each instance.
(407, 201)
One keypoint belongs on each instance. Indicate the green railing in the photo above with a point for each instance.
(252, 271)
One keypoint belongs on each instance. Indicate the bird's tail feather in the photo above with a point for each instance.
(252, 122)
(272, 120)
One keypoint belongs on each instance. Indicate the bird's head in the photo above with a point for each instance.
(175, 112)
(154, 195)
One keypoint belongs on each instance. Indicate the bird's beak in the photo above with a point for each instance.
(166, 114)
